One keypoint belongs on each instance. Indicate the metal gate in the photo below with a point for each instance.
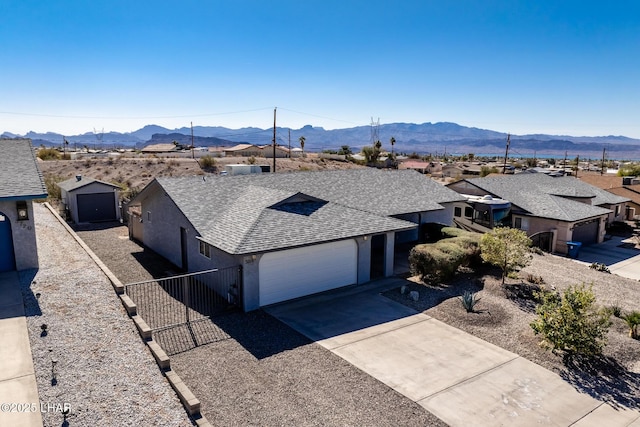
(179, 309)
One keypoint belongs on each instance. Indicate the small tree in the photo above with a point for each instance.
(506, 248)
(571, 322)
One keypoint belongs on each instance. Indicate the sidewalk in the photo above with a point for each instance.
(17, 376)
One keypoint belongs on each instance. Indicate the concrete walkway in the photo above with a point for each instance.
(17, 376)
(461, 379)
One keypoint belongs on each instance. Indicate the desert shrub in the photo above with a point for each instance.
(633, 322)
(615, 310)
(51, 182)
(536, 280)
(600, 267)
(469, 301)
(571, 323)
(49, 154)
(251, 160)
(207, 162)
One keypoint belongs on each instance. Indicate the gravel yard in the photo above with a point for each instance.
(103, 371)
(504, 321)
(261, 372)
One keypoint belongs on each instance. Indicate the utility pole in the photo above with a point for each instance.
(506, 154)
(602, 165)
(274, 139)
(564, 163)
(577, 164)
(289, 142)
(193, 156)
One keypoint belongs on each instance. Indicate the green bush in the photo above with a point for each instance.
(600, 267)
(441, 260)
(448, 232)
(507, 248)
(571, 322)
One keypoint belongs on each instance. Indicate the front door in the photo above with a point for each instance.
(7, 256)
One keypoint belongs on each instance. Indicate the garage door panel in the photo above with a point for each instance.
(96, 207)
(586, 233)
(298, 272)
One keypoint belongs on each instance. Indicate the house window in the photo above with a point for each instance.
(205, 249)
(518, 223)
(149, 216)
(617, 210)
(457, 211)
(468, 212)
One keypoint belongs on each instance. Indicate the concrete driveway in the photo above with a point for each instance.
(459, 378)
(617, 254)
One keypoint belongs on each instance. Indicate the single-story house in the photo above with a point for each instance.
(90, 200)
(281, 152)
(552, 210)
(20, 183)
(247, 150)
(293, 234)
(628, 187)
(160, 148)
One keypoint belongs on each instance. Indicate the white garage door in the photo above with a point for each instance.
(298, 272)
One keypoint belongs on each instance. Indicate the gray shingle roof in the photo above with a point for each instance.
(243, 214)
(544, 196)
(73, 183)
(20, 177)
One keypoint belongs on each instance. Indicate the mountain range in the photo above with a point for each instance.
(425, 138)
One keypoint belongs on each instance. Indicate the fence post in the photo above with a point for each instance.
(185, 296)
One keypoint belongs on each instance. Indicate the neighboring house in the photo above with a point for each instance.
(281, 152)
(90, 200)
(293, 234)
(20, 183)
(160, 148)
(247, 150)
(416, 165)
(627, 187)
(553, 211)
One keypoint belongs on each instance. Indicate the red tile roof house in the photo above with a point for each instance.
(628, 187)
(553, 210)
(292, 234)
(20, 183)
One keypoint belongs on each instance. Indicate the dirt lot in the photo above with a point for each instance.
(262, 372)
(136, 172)
(503, 319)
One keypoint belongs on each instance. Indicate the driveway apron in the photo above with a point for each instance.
(456, 376)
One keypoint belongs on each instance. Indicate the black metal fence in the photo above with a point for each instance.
(178, 308)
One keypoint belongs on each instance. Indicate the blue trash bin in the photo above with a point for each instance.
(574, 249)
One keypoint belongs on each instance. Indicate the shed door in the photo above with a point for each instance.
(7, 256)
(304, 271)
(96, 207)
(586, 233)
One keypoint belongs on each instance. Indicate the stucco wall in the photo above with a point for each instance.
(24, 235)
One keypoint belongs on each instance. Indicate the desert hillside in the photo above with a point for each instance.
(136, 172)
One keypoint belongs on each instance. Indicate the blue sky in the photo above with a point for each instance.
(559, 67)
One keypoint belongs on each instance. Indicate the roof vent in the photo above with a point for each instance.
(78, 177)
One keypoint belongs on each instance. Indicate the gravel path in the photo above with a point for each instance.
(103, 371)
(504, 321)
(263, 373)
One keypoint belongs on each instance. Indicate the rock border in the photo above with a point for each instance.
(190, 402)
